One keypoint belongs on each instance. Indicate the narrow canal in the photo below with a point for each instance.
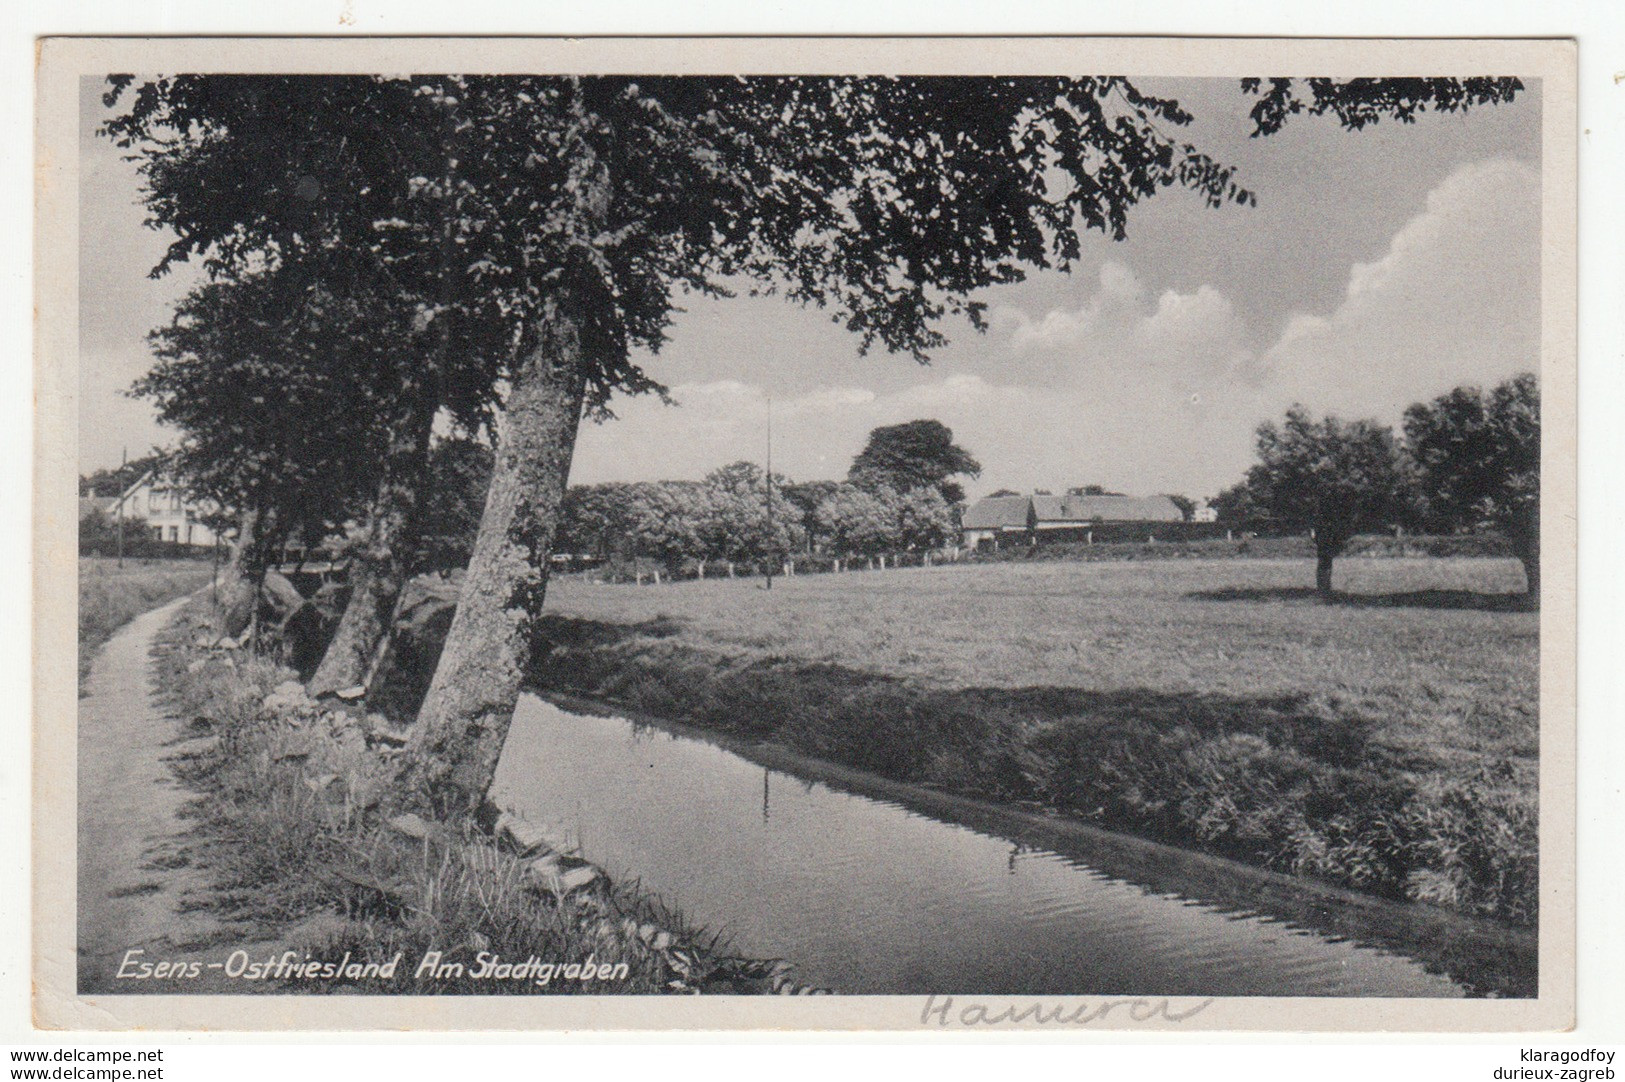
(869, 896)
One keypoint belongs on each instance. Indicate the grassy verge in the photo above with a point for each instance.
(1366, 546)
(111, 596)
(1386, 744)
(293, 824)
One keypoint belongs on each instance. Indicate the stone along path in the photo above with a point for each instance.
(134, 870)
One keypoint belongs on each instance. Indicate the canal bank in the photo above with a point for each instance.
(876, 886)
(880, 886)
(1197, 724)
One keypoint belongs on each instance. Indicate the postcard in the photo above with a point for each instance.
(918, 534)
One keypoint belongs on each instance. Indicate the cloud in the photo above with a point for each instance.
(1137, 346)
(1454, 299)
(1149, 391)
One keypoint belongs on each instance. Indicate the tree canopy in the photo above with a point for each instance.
(913, 455)
(1477, 457)
(549, 224)
(887, 200)
(268, 381)
(1332, 477)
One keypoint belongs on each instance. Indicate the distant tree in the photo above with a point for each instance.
(1330, 477)
(737, 527)
(1477, 462)
(115, 481)
(663, 520)
(907, 456)
(449, 508)
(591, 519)
(1002, 492)
(1186, 505)
(924, 519)
(1234, 506)
(860, 522)
(1042, 492)
(99, 533)
(805, 498)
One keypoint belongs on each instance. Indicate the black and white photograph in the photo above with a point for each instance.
(910, 529)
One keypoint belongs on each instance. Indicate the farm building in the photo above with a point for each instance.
(164, 510)
(1033, 520)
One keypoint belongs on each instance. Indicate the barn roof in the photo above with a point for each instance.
(1106, 509)
(994, 512)
(1010, 512)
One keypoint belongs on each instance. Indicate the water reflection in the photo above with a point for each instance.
(867, 896)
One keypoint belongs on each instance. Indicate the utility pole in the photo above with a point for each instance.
(771, 553)
(118, 510)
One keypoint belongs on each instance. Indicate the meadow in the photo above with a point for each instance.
(1387, 741)
(111, 596)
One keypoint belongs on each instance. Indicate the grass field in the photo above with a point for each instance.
(1387, 741)
(111, 596)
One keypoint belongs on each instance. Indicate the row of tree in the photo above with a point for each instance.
(731, 518)
(384, 252)
(1468, 460)
(900, 495)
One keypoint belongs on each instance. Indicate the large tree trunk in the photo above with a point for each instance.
(378, 573)
(237, 592)
(1326, 550)
(1323, 573)
(465, 717)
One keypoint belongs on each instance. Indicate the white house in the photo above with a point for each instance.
(164, 510)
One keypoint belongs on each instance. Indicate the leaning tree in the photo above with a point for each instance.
(559, 217)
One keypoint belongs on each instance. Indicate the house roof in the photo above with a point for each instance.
(150, 475)
(1106, 509)
(994, 512)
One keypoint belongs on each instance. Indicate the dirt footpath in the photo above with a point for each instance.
(135, 873)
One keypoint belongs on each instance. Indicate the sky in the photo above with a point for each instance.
(1378, 268)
